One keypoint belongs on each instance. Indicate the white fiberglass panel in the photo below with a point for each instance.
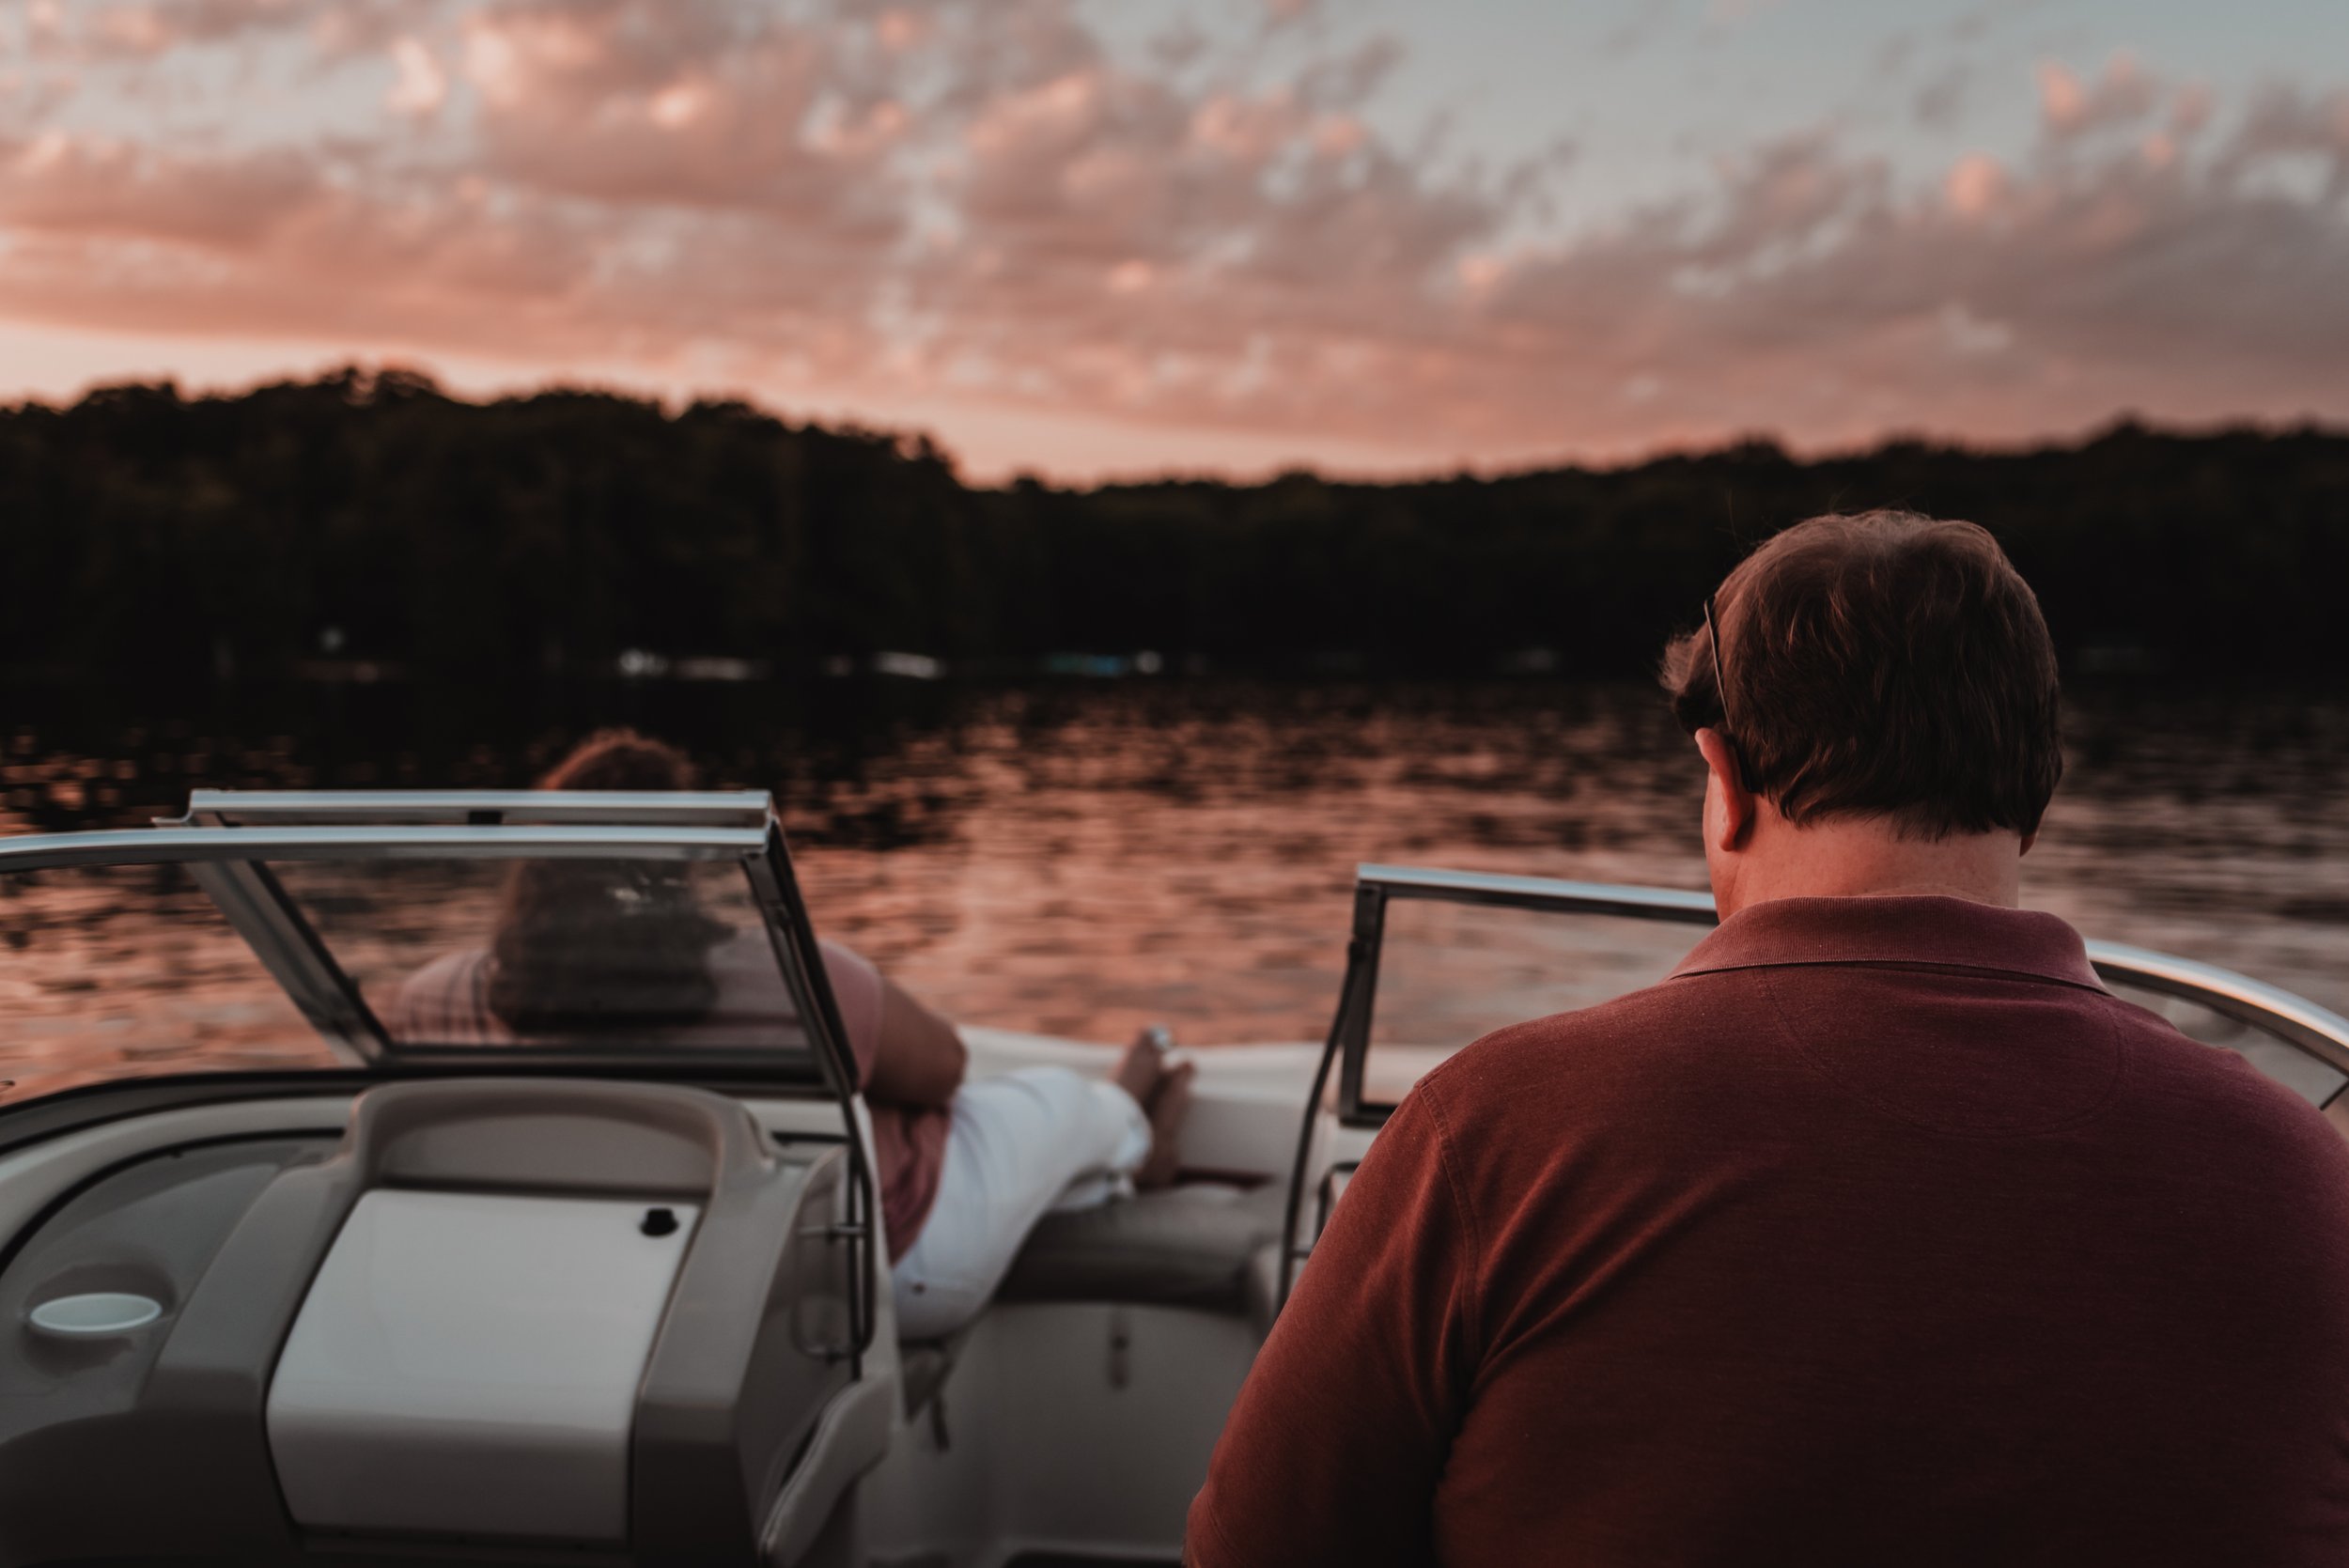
(468, 1363)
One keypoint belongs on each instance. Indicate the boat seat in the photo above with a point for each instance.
(1200, 1246)
(1208, 1246)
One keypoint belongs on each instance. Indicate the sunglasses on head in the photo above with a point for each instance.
(1720, 693)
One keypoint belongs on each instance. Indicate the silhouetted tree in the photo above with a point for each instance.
(150, 535)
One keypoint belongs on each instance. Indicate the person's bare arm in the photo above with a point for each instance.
(905, 1053)
(920, 1059)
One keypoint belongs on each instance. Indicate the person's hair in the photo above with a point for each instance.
(584, 945)
(1883, 664)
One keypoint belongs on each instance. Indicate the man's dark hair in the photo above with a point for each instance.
(1882, 664)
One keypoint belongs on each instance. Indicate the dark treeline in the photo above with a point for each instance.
(144, 534)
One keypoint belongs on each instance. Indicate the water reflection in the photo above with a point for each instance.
(1081, 860)
(114, 970)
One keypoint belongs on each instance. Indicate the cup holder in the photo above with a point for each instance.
(96, 1315)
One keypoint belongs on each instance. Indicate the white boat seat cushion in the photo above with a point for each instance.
(1193, 1245)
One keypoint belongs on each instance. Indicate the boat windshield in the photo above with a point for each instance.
(113, 971)
(1454, 955)
(2314, 1078)
(669, 945)
(590, 955)
(1449, 973)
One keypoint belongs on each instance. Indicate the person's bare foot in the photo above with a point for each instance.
(1143, 1065)
(1167, 1107)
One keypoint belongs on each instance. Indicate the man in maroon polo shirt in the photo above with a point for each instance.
(1878, 1234)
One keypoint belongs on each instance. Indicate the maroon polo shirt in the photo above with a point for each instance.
(1879, 1234)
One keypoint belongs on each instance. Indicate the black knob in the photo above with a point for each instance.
(658, 1222)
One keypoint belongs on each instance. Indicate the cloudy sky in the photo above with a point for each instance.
(1133, 236)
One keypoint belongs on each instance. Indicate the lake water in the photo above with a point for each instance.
(1081, 859)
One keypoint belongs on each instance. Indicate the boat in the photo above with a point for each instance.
(321, 1280)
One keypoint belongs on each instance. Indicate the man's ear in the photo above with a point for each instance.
(1735, 823)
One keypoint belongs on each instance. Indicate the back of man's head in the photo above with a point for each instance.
(1880, 665)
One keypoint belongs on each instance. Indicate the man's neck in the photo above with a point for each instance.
(1864, 858)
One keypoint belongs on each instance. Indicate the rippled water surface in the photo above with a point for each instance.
(1079, 859)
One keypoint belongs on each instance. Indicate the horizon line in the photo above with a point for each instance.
(915, 439)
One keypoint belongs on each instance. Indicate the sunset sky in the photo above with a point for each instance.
(1370, 236)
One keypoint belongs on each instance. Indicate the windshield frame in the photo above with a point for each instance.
(231, 864)
(2291, 1018)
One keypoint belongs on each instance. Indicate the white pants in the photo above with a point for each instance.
(1028, 1141)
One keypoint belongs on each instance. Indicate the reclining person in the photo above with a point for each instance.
(1879, 1234)
(965, 1167)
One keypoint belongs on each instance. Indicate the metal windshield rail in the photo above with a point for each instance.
(245, 808)
(187, 845)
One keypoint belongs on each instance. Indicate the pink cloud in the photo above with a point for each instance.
(2285, 122)
(666, 102)
(55, 183)
(1975, 183)
(2124, 94)
(96, 30)
(420, 87)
